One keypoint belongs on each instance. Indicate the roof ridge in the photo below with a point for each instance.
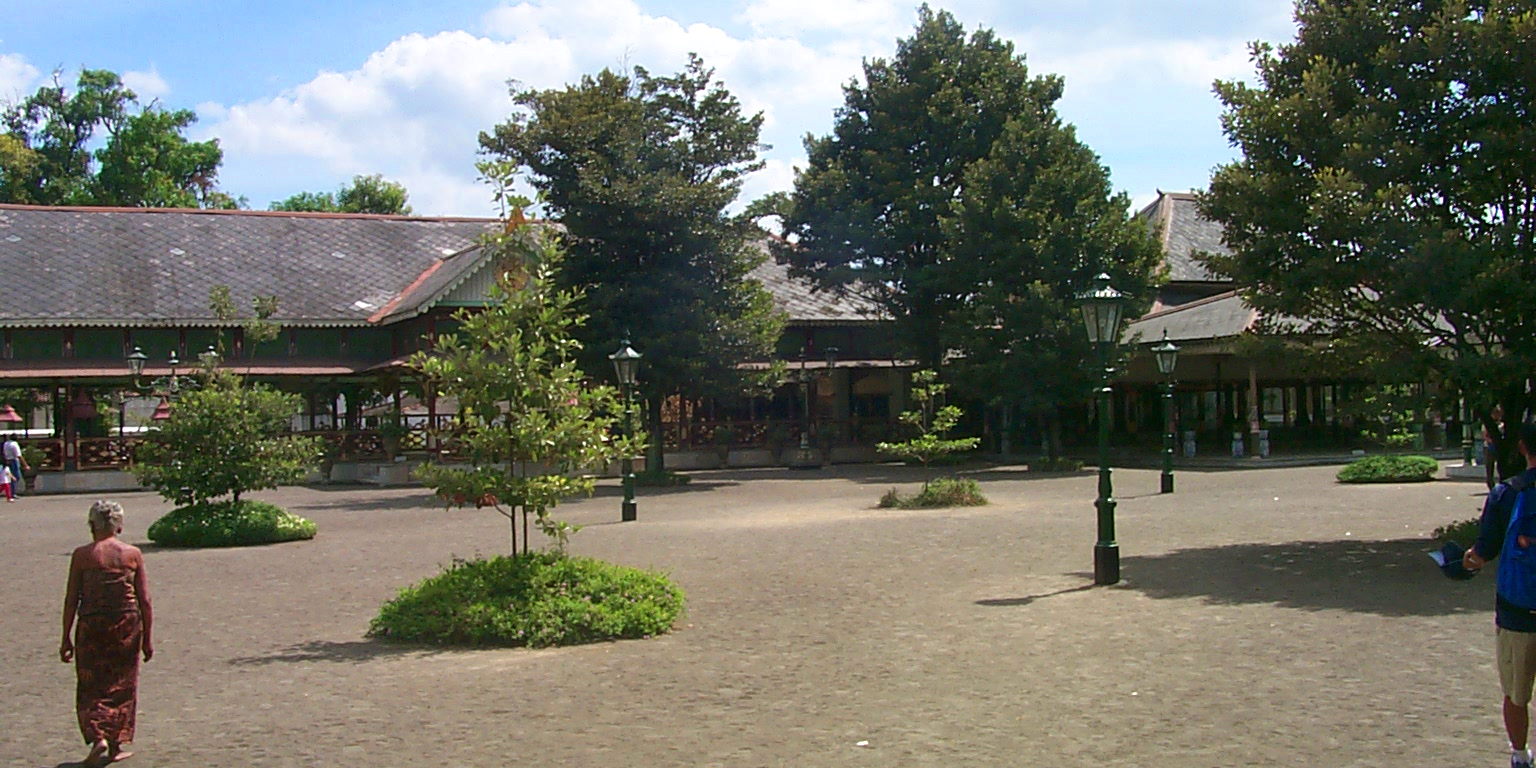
(241, 212)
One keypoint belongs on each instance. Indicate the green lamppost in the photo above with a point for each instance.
(626, 363)
(1101, 306)
(1167, 356)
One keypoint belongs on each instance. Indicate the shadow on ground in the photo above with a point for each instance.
(1390, 578)
(350, 499)
(349, 652)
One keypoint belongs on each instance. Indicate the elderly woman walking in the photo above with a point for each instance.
(109, 594)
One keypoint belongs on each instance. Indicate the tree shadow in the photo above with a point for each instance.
(364, 502)
(345, 652)
(1389, 578)
(692, 486)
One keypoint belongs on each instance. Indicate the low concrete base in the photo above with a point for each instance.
(95, 481)
(1466, 472)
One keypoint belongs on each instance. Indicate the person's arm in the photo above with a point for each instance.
(71, 604)
(1490, 529)
(146, 610)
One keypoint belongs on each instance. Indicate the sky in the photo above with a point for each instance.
(303, 96)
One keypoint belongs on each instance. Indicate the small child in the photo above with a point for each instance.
(8, 482)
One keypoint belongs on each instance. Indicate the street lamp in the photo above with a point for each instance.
(1167, 356)
(1101, 306)
(626, 363)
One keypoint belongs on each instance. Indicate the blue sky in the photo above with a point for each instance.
(303, 96)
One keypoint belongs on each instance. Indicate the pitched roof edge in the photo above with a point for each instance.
(1212, 299)
(223, 212)
(389, 308)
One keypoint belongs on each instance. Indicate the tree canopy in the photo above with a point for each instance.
(951, 192)
(640, 170)
(141, 156)
(1385, 187)
(366, 194)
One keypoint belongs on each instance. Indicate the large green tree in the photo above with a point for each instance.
(96, 145)
(366, 194)
(529, 422)
(1387, 189)
(640, 171)
(952, 192)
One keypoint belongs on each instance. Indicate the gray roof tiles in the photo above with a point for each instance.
(1184, 232)
(804, 304)
(136, 266)
(115, 266)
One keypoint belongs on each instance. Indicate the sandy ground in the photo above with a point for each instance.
(1266, 617)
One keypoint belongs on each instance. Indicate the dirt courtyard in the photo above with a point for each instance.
(1266, 617)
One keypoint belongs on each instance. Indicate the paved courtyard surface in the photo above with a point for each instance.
(1267, 617)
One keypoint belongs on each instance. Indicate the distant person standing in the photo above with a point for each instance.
(109, 594)
(11, 453)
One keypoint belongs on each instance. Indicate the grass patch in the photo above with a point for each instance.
(943, 492)
(1390, 469)
(1463, 532)
(228, 524)
(535, 599)
(660, 479)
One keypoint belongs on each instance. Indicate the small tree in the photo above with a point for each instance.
(528, 421)
(933, 422)
(224, 438)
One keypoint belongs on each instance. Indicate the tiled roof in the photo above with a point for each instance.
(1221, 316)
(1184, 232)
(135, 266)
(807, 306)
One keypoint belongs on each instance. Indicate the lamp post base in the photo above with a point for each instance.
(627, 512)
(1167, 482)
(1106, 564)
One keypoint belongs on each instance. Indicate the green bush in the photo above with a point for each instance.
(943, 492)
(535, 599)
(1058, 464)
(661, 479)
(229, 524)
(1463, 532)
(1390, 469)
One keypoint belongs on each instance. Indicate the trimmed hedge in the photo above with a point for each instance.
(535, 599)
(660, 479)
(226, 524)
(1390, 469)
(943, 492)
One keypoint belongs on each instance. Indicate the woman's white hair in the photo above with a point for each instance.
(106, 516)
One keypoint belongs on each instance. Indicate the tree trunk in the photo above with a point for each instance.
(655, 457)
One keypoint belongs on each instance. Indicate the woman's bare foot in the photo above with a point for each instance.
(97, 756)
(115, 753)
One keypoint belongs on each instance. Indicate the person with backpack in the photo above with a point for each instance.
(1509, 516)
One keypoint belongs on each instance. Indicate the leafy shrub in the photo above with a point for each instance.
(1463, 532)
(229, 524)
(1390, 469)
(535, 599)
(661, 479)
(943, 492)
(1058, 464)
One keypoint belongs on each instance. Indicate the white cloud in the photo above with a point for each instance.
(880, 18)
(147, 85)
(412, 110)
(17, 77)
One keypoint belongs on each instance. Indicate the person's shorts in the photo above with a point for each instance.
(1517, 664)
